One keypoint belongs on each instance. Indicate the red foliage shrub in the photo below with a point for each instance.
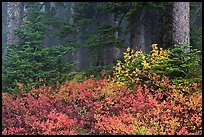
(102, 107)
(36, 115)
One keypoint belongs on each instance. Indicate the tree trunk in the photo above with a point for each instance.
(4, 29)
(22, 12)
(48, 7)
(116, 50)
(72, 12)
(137, 39)
(13, 20)
(181, 28)
(76, 56)
(108, 51)
(148, 31)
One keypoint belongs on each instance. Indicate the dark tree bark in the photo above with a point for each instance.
(148, 31)
(137, 31)
(48, 7)
(180, 28)
(116, 50)
(108, 51)
(22, 12)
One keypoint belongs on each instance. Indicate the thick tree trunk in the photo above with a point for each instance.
(137, 31)
(108, 51)
(72, 12)
(48, 7)
(76, 56)
(4, 29)
(13, 20)
(157, 29)
(148, 31)
(116, 50)
(181, 28)
(22, 12)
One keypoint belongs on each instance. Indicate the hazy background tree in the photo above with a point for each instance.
(196, 25)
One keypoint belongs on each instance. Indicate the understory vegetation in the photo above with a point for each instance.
(156, 93)
(107, 68)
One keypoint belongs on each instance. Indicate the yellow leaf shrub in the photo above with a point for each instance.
(135, 65)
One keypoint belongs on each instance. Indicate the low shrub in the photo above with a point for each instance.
(103, 107)
(135, 66)
(178, 66)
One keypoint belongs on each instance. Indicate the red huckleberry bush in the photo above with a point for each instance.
(103, 107)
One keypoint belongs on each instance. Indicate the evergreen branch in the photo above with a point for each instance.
(124, 14)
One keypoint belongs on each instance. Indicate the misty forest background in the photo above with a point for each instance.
(90, 36)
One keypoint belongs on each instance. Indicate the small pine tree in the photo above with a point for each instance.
(31, 63)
